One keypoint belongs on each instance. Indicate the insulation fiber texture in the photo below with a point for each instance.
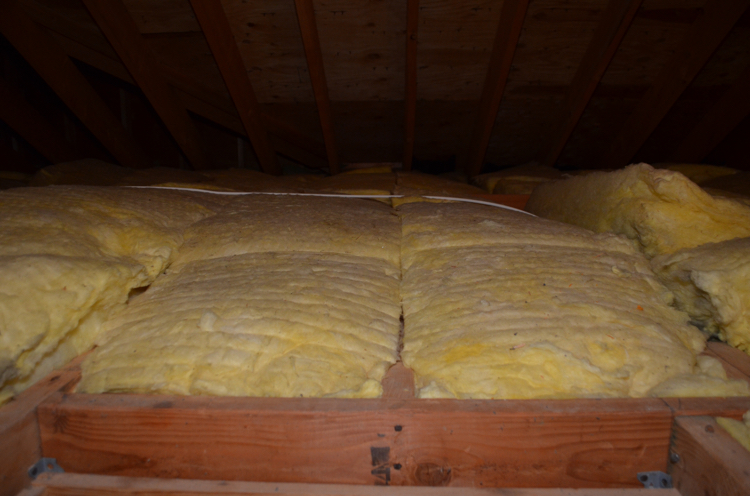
(661, 209)
(275, 296)
(499, 304)
(69, 257)
(712, 284)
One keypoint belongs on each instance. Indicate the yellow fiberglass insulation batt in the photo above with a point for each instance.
(281, 296)
(69, 256)
(712, 284)
(661, 209)
(500, 304)
(259, 324)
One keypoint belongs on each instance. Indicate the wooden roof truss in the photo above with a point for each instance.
(48, 38)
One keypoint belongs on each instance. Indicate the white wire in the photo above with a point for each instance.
(327, 195)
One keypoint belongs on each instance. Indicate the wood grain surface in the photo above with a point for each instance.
(566, 443)
(84, 485)
(707, 461)
(20, 444)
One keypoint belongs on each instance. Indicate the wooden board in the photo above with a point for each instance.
(396, 440)
(20, 445)
(83, 485)
(566, 443)
(707, 461)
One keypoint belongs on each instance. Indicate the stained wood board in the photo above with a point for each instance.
(566, 443)
(455, 44)
(268, 35)
(83, 485)
(396, 440)
(654, 36)
(363, 48)
(562, 443)
(707, 461)
(20, 444)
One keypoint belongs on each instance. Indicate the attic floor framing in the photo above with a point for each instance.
(396, 440)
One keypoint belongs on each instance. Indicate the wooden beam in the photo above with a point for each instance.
(20, 444)
(32, 126)
(610, 31)
(101, 485)
(524, 443)
(309, 30)
(719, 121)
(410, 92)
(512, 16)
(707, 460)
(734, 360)
(701, 40)
(115, 21)
(284, 138)
(215, 25)
(59, 72)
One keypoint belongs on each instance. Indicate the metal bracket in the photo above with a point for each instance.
(44, 465)
(655, 480)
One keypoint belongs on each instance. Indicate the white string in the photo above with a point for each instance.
(327, 195)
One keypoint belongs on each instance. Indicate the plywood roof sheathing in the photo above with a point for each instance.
(506, 38)
(721, 119)
(118, 26)
(610, 31)
(59, 72)
(410, 92)
(32, 126)
(698, 45)
(309, 30)
(213, 21)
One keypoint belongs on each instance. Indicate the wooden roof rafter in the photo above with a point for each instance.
(614, 24)
(115, 21)
(215, 25)
(509, 27)
(698, 45)
(725, 115)
(285, 139)
(196, 99)
(309, 30)
(410, 91)
(59, 72)
(32, 126)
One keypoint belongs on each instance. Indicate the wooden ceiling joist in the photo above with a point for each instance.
(213, 20)
(58, 71)
(698, 45)
(726, 114)
(610, 31)
(410, 92)
(509, 27)
(24, 119)
(309, 29)
(115, 21)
